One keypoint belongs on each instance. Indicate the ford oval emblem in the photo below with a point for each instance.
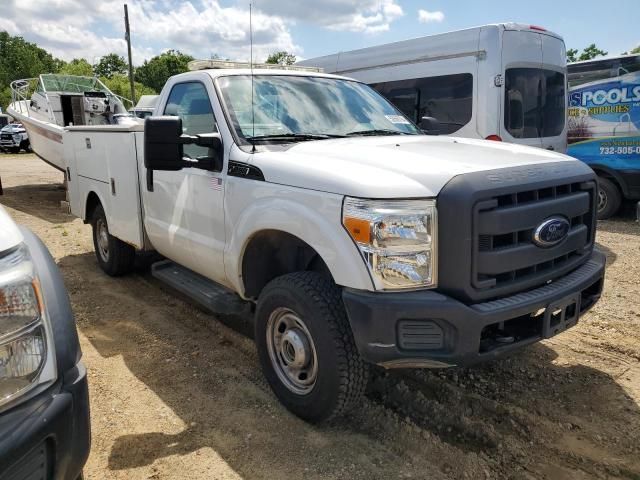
(551, 232)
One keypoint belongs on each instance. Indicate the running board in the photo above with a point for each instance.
(213, 297)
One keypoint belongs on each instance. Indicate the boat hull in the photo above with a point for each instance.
(45, 137)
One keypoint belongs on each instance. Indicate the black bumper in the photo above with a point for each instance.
(429, 329)
(48, 436)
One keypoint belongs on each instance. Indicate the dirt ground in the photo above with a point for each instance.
(177, 393)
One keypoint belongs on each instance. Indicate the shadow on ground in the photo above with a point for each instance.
(39, 200)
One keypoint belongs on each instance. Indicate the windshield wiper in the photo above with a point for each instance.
(363, 133)
(292, 137)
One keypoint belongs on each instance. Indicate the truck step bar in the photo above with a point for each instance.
(213, 297)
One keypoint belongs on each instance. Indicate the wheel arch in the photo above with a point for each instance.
(271, 253)
(611, 174)
(307, 233)
(92, 200)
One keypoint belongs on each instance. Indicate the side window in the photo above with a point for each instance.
(448, 98)
(191, 103)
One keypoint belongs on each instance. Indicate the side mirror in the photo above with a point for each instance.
(430, 125)
(163, 147)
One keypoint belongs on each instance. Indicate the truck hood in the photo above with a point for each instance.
(10, 236)
(392, 166)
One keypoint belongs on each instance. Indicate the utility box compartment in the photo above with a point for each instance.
(104, 162)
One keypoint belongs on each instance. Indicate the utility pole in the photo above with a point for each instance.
(128, 38)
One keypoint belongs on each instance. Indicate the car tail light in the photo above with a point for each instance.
(495, 138)
(536, 27)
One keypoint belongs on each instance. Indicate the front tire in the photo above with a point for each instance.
(306, 347)
(609, 198)
(114, 256)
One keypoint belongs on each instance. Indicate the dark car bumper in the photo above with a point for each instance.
(48, 436)
(429, 329)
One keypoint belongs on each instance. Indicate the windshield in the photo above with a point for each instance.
(72, 84)
(534, 102)
(289, 107)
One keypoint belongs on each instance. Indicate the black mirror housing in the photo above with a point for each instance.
(163, 145)
(430, 125)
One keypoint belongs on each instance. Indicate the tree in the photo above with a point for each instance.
(634, 51)
(77, 66)
(281, 58)
(119, 84)
(21, 59)
(587, 54)
(155, 72)
(110, 65)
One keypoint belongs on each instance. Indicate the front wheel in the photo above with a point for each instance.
(306, 347)
(114, 256)
(609, 198)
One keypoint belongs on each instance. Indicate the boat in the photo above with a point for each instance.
(51, 102)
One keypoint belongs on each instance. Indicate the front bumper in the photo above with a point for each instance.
(48, 436)
(429, 329)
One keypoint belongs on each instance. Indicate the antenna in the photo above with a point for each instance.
(128, 38)
(253, 111)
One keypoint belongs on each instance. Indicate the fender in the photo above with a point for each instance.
(318, 226)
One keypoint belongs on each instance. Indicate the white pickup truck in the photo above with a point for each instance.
(355, 238)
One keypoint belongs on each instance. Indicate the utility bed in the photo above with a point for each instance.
(105, 160)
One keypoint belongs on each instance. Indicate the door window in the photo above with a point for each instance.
(534, 104)
(448, 98)
(191, 103)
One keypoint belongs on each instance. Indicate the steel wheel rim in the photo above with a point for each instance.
(102, 239)
(602, 200)
(292, 351)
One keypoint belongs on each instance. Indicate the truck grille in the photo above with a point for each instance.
(488, 219)
(504, 252)
(6, 136)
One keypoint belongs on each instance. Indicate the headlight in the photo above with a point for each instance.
(17, 138)
(397, 239)
(26, 353)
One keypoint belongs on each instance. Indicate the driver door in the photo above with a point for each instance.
(184, 214)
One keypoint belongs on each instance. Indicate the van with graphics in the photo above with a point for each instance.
(604, 126)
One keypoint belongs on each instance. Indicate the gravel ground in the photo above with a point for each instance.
(177, 393)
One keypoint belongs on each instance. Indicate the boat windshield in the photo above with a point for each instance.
(72, 84)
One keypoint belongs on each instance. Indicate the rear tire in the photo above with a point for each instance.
(114, 256)
(609, 198)
(306, 347)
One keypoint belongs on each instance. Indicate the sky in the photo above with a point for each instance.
(308, 28)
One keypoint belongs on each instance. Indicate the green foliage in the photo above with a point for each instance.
(281, 58)
(119, 84)
(634, 51)
(21, 59)
(587, 54)
(110, 65)
(155, 72)
(77, 66)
